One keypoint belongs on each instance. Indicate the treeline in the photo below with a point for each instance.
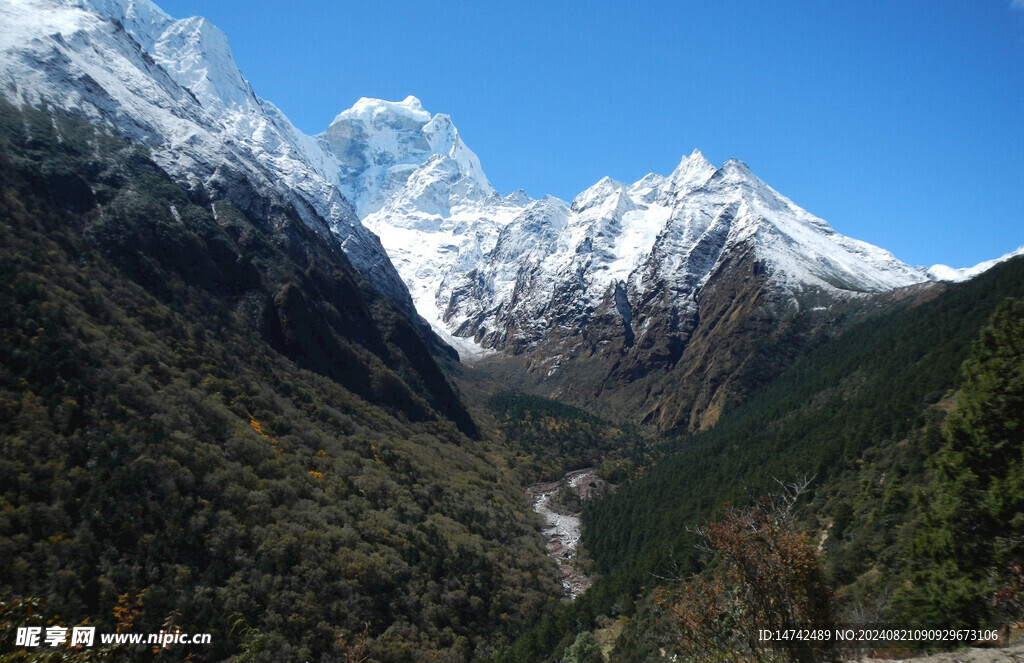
(164, 456)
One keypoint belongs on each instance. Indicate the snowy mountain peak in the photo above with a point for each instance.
(196, 53)
(692, 172)
(193, 50)
(518, 197)
(385, 112)
(380, 144)
(695, 162)
(735, 173)
(142, 19)
(736, 166)
(598, 194)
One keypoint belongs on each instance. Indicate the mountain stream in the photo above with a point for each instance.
(562, 533)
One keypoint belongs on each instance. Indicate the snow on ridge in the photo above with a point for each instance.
(196, 53)
(947, 273)
(692, 171)
(369, 109)
(806, 250)
(471, 257)
(141, 18)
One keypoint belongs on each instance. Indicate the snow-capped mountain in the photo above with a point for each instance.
(508, 271)
(414, 182)
(173, 85)
(626, 285)
(379, 145)
(662, 237)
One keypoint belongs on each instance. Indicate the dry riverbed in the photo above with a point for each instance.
(562, 533)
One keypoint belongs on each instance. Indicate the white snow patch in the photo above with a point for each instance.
(946, 273)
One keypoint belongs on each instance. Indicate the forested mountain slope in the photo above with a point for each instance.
(862, 416)
(213, 411)
(867, 388)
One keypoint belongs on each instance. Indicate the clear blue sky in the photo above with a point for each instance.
(900, 123)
